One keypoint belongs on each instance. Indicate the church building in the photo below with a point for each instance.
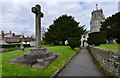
(97, 16)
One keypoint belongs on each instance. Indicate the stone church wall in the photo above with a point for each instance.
(109, 60)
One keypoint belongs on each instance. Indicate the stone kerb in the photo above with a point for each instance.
(109, 60)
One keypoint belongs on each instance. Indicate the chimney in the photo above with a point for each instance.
(2, 33)
(13, 34)
(10, 32)
(22, 36)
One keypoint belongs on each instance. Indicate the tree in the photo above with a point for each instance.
(63, 28)
(43, 29)
(112, 27)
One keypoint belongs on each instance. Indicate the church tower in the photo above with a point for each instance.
(96, 19)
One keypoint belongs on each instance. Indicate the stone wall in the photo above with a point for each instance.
(109, 60)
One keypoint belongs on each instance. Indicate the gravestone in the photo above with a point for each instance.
(21, 45)
(38, 57)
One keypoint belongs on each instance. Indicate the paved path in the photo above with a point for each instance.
(81, 65)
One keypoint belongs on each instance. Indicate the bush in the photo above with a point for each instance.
(26, 45)
(96, 38)
(118, 38)
(118, 41)
(56, 43)
(74, 42)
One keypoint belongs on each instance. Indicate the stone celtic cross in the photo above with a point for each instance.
(38, 57)
(39, 15)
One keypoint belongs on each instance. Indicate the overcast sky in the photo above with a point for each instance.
(16, 15)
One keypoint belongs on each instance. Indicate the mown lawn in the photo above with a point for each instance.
(109, 46)
(64, 52)
(0, 64)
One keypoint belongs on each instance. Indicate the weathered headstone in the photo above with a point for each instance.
(38, 57)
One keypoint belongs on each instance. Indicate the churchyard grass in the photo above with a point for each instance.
(65, 52)
(109, 46)
(0, 65)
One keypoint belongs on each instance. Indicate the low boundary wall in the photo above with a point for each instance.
(109, 60)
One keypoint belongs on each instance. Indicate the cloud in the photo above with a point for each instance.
(119, 6)
(17, 16)
(60, 1)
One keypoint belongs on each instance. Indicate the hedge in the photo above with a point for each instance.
(14, 45)
(74, 42)
(96, 38)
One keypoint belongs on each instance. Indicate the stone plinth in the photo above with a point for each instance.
(37, 57)
(38, 50)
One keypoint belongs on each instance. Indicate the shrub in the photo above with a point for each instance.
(74, 42)
(56, 43)
(96, 38)
(26, 45)
(118, 40)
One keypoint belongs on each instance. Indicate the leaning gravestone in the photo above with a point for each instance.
(38, 57)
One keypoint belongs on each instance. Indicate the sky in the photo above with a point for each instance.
(16, 15)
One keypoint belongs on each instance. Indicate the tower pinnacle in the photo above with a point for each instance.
(96, 6)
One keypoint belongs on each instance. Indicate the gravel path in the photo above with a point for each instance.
(81, 65)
